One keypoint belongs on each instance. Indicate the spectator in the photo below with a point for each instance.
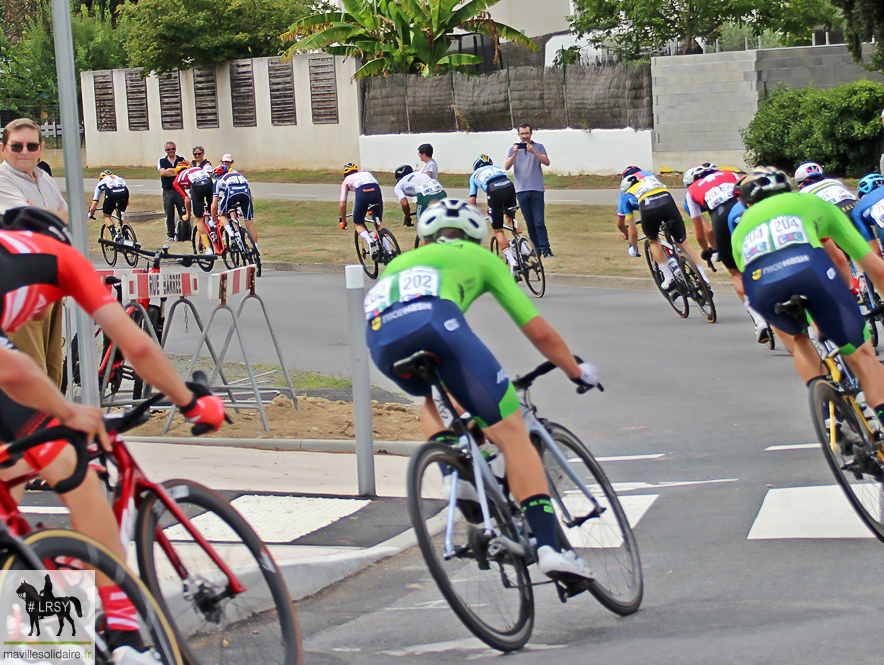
(199, 157)
(227, 159)
(172, 200)
(425, 153)
(23, 184)
(528, 156)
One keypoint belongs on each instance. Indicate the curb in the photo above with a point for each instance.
(307, 445)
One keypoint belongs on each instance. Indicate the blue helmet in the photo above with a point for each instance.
(870, 182)
(480, 161)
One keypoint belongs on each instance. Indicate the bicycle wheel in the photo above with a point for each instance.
(489, 591)
(389, 245)
(214, 625)
(495, 246)
(363, 251)
(109, 252)
(129, 238)
(698, 288)
(140, 389)
(68, 550)
(674, 297)
(230, 253)
(531, 267)
(199, 249)
(251, 255)
(605, 541)
(771, 339)
(853, 457)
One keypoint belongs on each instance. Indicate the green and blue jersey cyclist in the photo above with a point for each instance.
(501, 193)
(418, 305)
(777, 248)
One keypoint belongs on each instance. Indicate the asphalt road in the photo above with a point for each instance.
(750, 553)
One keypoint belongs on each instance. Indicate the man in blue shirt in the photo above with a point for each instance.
(172, 200)
(527, 157)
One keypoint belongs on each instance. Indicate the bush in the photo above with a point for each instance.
(839, 128)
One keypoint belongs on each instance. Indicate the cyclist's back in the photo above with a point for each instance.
(410, 184)
(484, 175)
(355, 181)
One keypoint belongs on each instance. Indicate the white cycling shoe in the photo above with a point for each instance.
(565, 566)
(667, 283)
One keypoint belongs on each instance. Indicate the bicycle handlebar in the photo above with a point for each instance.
(524, 382)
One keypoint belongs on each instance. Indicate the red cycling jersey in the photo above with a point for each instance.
(708, 193)
(36, 270)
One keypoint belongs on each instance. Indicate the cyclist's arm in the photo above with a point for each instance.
(94, 206)
(873, 266)
(178, 187)
(550, 343)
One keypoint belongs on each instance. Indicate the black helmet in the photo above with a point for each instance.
(763, 182)
(29, 218)
(402, 171)
(629, 170)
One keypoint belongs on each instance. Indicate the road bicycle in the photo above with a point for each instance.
(847, 428)
(239, 247)
(529, 267)
(475, 540)
(213, 250)
(688, 283)
(188, 541)
(868, 300)
(123, 236)
(60, 550)
(385, 241)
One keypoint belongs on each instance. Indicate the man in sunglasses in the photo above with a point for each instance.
(172, 200)
(22, 183)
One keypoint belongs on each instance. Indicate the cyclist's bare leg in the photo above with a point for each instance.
(870, 373)
(250, 225)
(690, 251)
(657, 251)
(876, 247)
(807, 360)
(524, 470)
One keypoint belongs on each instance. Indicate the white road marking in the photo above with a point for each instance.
(792, 446)
(807, 512)
(44, 510)
(627, 458)
(467, 644)
(641, 485)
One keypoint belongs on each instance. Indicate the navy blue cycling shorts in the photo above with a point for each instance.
(808, 271)
(469, 371)
(365, 196)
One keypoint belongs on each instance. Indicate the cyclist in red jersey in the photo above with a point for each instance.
(37, 268)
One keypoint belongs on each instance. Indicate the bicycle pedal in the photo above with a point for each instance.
(568, 589)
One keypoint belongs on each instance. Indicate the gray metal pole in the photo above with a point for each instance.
(361, 388)
(73, 173)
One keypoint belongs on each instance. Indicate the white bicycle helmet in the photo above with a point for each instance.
(451, 214)
(763, 182)
(808, 170)
(628, 182)
(693, 174)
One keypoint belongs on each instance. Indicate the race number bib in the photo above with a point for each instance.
(716, 196)
(756, 243)
(429, 187)
(787, 230)
(417, 282)
(876, 213)
(646, 185)
(366, 179)
(835, 194)
(378, 298)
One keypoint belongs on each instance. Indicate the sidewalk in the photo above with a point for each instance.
(303, 504)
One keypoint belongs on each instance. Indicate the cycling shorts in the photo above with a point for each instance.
(808, 271)
(364, 196)
(115, 201)
(501, 197)
(201, 198)
(234, 201)
(718, 217)
(469, 371)
(424, 200)
(658, 208)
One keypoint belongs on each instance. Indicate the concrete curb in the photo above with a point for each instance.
(307, 445)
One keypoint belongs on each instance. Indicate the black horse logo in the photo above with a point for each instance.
(44, 604)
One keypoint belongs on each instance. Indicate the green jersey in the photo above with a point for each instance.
(793, 218)
(459, 271)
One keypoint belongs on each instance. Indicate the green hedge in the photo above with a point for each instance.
(840, 128)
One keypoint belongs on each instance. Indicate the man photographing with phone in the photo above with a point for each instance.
(527, 157)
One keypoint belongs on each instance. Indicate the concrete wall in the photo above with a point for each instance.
(300, 146)
(531, 17)
(571, 151)
(701, 102)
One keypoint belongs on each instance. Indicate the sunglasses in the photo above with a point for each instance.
(171, 149)
(197, 154)
(18, 147)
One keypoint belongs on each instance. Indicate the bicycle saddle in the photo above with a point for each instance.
(419, 363)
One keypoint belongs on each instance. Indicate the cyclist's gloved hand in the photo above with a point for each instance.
(407, 221)
(589, 378)
(91, 215)
(342, 222)
(707, 253)
(206, 410)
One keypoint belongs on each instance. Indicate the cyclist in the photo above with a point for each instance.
(408, 183)
(194, 183)
(231, 192)
(641, 191)
(869, 211)
(37, 267)
(418, 305)
(116, 196)
(501, 192)
(627, 226)
(777, 248)
(367, 192)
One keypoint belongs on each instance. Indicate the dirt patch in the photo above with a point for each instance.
(319, 418)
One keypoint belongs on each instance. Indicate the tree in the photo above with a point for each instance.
(637, 26)
(864, 19)
(401, 36)
(167, 35)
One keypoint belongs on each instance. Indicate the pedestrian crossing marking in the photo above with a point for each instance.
(807, 512)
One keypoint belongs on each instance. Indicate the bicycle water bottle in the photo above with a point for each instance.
(869, 413)
(676, 271)
(495, 460)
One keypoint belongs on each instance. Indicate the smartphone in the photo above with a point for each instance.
(521, 146)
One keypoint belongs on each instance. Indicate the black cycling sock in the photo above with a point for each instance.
(541, 518)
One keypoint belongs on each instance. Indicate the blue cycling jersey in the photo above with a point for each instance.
(870, 210)
(482, 176)
(628, 201)
(733, 217)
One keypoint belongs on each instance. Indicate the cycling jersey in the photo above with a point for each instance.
(427, 192)
(836, 192)
(354, 181)
(710, 192)
(193, 177)
(869, 211)
(483, 175)
(111, 185)
(793, 218)
(232, 190)
(647, 185)
(409, 185)
(734, 215)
